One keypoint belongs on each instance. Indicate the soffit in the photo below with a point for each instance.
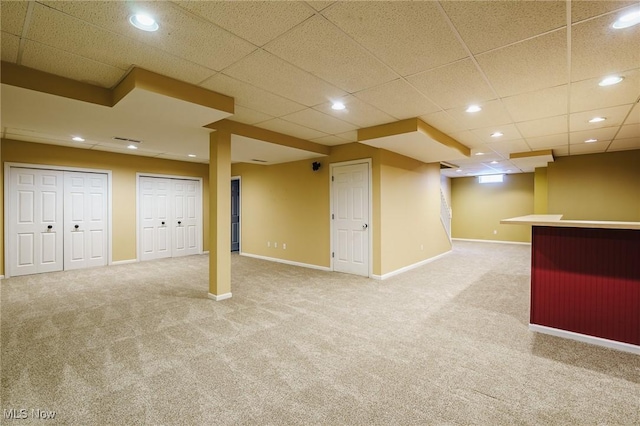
(248, 150)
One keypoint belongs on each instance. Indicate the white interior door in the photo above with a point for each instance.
(35, 221)
(155, 220)
(351, 219)
(185, 217)
(170, 217)
(85, 220)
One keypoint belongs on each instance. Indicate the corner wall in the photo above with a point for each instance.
(124, 168)
(596, 186)
(479, 208)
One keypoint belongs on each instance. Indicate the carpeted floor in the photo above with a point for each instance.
(443, 344)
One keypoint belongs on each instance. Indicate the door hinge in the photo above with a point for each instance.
(332, 216)
(332, 254)
(332, 178)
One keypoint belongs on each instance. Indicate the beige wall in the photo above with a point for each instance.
(289, 203)
(124, 168)
(478, 208)
(411, 229)
(541, 191)
(596, 186)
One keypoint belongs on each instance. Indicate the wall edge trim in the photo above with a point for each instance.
(219, 297)
(584, 338)
(409, 267)
(286, 262)
(492, 241)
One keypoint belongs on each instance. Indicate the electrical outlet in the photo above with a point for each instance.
(268, 243)
(275, 245)
(284, 246)
(495, 231)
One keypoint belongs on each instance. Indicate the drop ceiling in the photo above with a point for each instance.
(532, 66)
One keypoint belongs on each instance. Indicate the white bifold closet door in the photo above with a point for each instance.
(57, 220)
(169, 222)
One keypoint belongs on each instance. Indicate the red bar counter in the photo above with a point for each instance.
(585, 280)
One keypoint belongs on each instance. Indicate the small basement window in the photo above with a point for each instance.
(490, 178)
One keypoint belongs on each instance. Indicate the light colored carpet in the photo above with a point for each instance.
(443, 344)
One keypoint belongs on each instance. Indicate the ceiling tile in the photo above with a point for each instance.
(271, 73)
(356, 112)
(509, 147)
(615, 50)
(351, 136)
(65, 64)
(509, 132)
(12, 16)
(256, 21)
(529, 65)
(51, 28)
(248, 115)
(468, 139)
(331, 140)
(585, 9)
(588, 148)
(10, 45)
(634, 117)
(398, 99)
(492, 114)
(548, 141)
(544, 126)
(453, 85)
(614, 117)
(629, 131)
(624, 144)
(322, 49)
(442, 121)
(319, 121)
(320, 5)
(252, 97)
(421, 39)
(486, 25)
(181, 34)
(292, 129)
(539, 104)
(602, 135)
(587, 95)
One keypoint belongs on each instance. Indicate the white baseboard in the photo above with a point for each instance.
(492, 241)
(219, 297)
(409, 267)
(1, 277)
(205, 252)
(287, 262)
(124, 262)
(612, 344)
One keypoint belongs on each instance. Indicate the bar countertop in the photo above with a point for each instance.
(556, 220)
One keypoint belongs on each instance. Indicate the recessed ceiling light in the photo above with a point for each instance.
(132, 146)
(611, 80)
(479, 153)
(494, 162)
(143, 22)
(191, 155)
(496, 134)
(508, 171)
(338, 106)
(459, 170)
(591, 140)
(628, 20)
(473, 108)
(77, 139)
(597, 119)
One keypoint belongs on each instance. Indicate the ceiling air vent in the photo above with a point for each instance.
(444, 166)
(119, 138)
(258, 161)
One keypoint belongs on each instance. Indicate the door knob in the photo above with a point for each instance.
(50, 227)
(163, 223)
(179, 222)
(77, 226)
(365, 226)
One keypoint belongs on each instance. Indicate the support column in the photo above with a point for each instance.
(540, 193)
(220, 215)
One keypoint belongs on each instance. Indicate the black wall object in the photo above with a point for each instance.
(316, 166)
